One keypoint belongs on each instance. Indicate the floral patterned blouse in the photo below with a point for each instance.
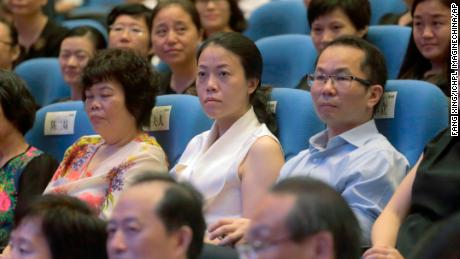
(22, 178)
(101, 186)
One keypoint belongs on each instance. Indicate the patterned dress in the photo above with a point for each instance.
(32, 164)
(101, 186)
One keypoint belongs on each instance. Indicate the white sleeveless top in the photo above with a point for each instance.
(212, 165)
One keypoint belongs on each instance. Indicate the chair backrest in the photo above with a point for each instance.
(286, 59)
(278, 17)
(87, 22)
(44, 79)
(420, 113)
(296, 118)
(381, 7)
(175, 120)
(392, 40)
(59, 125)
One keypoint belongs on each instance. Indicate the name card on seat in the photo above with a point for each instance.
(60, 123)
(159, 119)
(386, 108)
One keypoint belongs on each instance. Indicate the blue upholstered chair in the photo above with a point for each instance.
(420, 113)
(53, 141)
(392, 40)
(278, 17)
(87, 22)
(297, 119)
(44, 79)
(287, 59)
(176, 119)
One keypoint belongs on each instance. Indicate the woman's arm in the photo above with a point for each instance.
(258, 171)
(386, 227)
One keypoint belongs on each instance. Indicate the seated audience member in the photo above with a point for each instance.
(220, 16)
(330, 19)
(9, 47)
(24, 170)
(302, 218)
(147, 3)
(119, 90)
(237, 161)
(58, 227)
(129, 27)
(404, 19)
(63, 7)
(428, 53)
(427, 195)
(38, 35)
(351, 155)
(176, 30)
(77, 48)
(166, 217)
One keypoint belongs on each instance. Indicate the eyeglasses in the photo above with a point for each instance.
(339, 81)
(118, 29)
(250, 250)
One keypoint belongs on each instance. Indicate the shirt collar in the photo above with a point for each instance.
(357, 136)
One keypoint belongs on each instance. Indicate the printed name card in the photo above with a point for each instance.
(386, 108)
(272, 106)
(60, 123)
(159, 119)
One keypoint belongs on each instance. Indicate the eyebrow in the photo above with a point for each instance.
(336, 71)
(436, 15)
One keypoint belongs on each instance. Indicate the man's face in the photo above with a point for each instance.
(135, 231)
(268, 233)
(343, 105)
(130, 32)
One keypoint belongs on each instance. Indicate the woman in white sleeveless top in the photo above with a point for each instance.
(237, 161)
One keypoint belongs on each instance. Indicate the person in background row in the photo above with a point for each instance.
(77, 48)
(38, 35)
(403, 19)
(24, 170)
(130, 27)
(176, 31)
(9, 46)
(330, 19)
(302, 218)
(58, 227)
(428, 53)
(119, 91)
(239, 158)
(220, 16)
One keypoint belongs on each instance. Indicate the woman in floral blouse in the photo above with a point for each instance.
(119, 90)
(24, 170)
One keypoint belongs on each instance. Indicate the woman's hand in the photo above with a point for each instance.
(382, 252)
(228, 231)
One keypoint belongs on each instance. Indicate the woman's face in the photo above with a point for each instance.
(174, 36)
(431, 30)
(74, 54)
(8, 53)
(214, 15)
(28, 242)
(330, 26)
(222, 86)
(107, 111)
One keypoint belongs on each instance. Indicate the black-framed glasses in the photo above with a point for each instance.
(339, 81)
(250, 250)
